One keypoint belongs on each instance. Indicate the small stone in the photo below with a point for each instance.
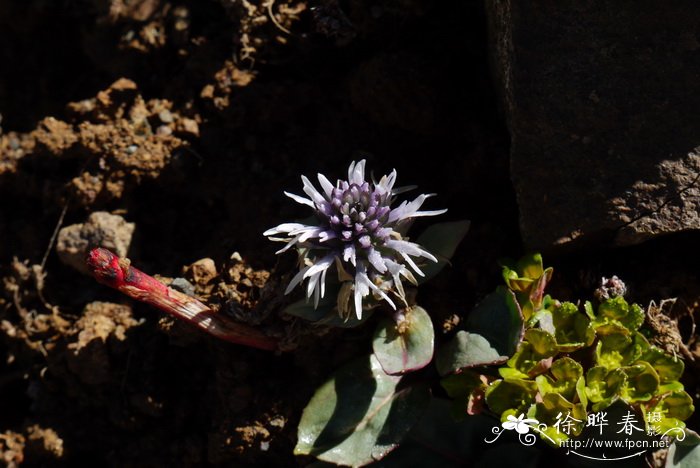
(202, 271)
(164, 130)
(207, 92)
(165, 116)
(189, 127)
(184, 286)
(101, 229)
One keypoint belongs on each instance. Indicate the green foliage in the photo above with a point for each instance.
(407, 345)
(494, 329)
(527, 278)
(554, 359)
(366, 408)
(359, 415)
(571, 362)
(684, 453)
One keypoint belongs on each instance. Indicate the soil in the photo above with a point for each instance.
(189, 119)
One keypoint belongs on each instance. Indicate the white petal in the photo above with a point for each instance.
(288, 246)
(351, 171)
(410, 210)
(320, 266)
(399, 287)
(349, 254)
(396, 270)
(358, 301)
(311, 191)
(410, 261)
(323, 282)
(356, 173)
(418, 214)
(308, 233)
(296, 280)
(311, 285)
(386, 183)
(325, 185)
(380, 292)
(283, 228)
(327, 235)
(410, 248)
(300, 199)
(361, 289)
(376, 260)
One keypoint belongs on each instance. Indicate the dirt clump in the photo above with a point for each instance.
(101, 229)
(101, 326)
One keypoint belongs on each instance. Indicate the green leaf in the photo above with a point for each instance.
(553, 405)
(673, 408)
(510, 373)
(573, 330)
(406, 346)
(516, 395)
(543, 344)
(441, 240)
(683, 456)
(616, 350)
(670, 368)
(618, 311)
(466, 350)
(528, 361)
(566, 373)
(528, 279)
(531, 266)
(495, 328)
(604, 387)
(498, 319)
(642, 382)
(520, 275)
(359, 415)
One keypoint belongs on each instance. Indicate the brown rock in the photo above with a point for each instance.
(202, 271)
(101, 229)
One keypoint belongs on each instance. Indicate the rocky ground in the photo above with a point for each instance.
(168, 131)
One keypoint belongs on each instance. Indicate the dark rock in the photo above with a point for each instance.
(601, 100)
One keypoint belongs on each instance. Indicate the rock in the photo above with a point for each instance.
(101, 229)
(201, 272)
(184, 286)
(601, 103)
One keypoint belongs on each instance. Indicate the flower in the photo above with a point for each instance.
(358, 232)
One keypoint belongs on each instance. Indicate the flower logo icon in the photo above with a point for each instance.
(520, 424)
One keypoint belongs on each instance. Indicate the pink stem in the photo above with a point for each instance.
(117, 273)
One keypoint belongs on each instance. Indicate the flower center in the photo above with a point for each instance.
(358, 213)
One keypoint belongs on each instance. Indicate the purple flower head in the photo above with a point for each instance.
(359, 234)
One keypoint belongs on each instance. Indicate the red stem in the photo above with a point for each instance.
(118, 273)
